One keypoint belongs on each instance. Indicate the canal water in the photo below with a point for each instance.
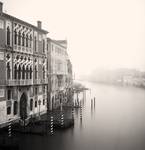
(115, 122)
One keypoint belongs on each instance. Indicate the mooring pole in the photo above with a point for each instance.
(9, 129)
(62, 120)
(51, 125)
(94, 102)
(91, 103)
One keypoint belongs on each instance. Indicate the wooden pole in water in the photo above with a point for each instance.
(51, 125)
(62, 120)
(91, 103)
(9, 129)
(94, 101)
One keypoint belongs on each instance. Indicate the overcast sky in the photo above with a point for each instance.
(100, 33)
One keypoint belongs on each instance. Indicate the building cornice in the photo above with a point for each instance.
(23, 22)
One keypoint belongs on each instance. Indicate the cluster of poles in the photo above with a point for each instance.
(52, 119)
(61, 121)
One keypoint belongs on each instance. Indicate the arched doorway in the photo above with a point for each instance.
(23, 106)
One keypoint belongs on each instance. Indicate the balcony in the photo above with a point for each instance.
(19, 82)
(40, 81)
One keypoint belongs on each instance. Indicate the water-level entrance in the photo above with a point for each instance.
(23, 106)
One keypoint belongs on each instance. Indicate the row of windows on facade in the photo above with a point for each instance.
(10, 93)
(15, 107)
(22, 73)
(58, 50)
(23, 40)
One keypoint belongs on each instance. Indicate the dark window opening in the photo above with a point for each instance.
(30, 73)
(15, 108)
(35, 72)
(19, 38)
(8, 36)
(8, 71)
(43, 101)
(35, 103)
(8, 110)
(31, 104)
(15, 37)
(9, 94)
(19, 73)
(30, 41)
(23, 72)
(27, 40)
(23, 39)
(15, 72)
(27, 72)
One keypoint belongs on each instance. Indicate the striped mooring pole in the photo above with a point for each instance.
(9, 129)
(62, 120)
(51, 125)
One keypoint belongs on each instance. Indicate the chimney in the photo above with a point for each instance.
(1, 7)
(39, 24)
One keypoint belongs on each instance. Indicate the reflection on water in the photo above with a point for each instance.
(115, 122)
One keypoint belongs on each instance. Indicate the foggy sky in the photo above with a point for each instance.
(100, 33)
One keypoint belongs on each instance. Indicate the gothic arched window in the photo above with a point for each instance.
(8, 35)
(31, 104)
(35, 44)
(27, 72)
(19, 72)
(23, 39)
(15, 107)
(15, 37)
(15, 71)
(8, 71)
(35, 72)
(8, 110)
(23, 72)
(27, 40)
(30, 41)
(30, 72)
(19, 38)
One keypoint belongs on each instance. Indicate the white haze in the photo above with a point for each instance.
(100, 33)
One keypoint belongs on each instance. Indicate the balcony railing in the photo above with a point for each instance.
(19, 82)
(40, 81)
(26, 82)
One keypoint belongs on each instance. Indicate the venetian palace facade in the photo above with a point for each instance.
(59, 72)
(25, 88)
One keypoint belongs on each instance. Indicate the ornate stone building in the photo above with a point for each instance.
(23, 68)
(59, 73)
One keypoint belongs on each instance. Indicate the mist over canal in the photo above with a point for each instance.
(116, 122)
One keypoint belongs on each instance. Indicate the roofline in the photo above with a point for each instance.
(23, 22)
(54, 41)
